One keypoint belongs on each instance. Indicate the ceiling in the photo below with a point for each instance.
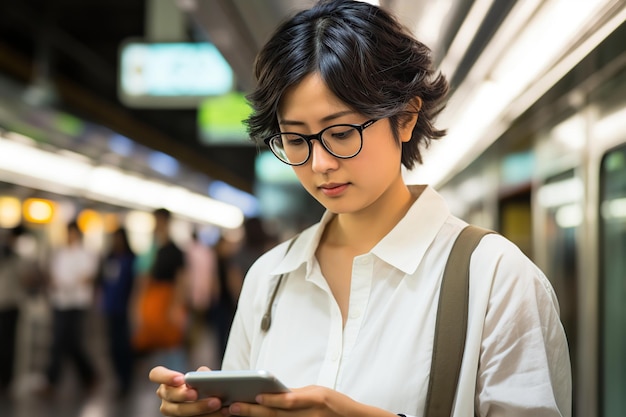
(71, 47)
(65, 53)
(74, 45)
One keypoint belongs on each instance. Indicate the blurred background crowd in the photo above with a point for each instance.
(82, 323)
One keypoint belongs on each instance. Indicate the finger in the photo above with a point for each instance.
(201, 368)
(247, 409)
(206, 407)
(179, 394)
(287, 400)
(162, 375)
(172, 387)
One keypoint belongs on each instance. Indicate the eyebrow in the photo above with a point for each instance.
(328, 118)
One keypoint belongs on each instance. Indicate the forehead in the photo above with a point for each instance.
(309, 100)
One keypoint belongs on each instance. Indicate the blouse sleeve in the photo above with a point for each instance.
(524, 367)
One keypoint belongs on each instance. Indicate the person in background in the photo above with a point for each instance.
(256, 241)
(222, 311)
(72, 275)
(347, 97)
(202, 289)
(160, 303)
(13, 277)
(117, 276)
(234, 260)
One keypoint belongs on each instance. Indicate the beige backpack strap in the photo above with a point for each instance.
(451, 324)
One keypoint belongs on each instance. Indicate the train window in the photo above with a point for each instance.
(612, 226)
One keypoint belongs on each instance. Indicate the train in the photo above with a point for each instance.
(555, 184)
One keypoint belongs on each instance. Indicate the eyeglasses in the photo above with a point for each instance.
(342, 141)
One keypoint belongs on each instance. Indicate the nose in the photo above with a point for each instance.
(321, 159)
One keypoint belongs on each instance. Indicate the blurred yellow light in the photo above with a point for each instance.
(38, 210)
(10, 212)
(111, 222)
(89, 220)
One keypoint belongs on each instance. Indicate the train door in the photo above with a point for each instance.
(607, 241)
(612, 257)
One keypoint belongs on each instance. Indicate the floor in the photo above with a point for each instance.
(69, 399)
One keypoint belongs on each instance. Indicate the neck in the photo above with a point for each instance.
(364, 229)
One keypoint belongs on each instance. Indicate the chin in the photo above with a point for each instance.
(336, 207)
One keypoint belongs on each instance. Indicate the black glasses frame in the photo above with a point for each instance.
(318, 136)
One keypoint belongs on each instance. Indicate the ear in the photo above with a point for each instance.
(410, 120)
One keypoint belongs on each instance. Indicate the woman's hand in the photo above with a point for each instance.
(313, 401)
(177, 399)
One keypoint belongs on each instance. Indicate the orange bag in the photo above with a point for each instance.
(158, 327)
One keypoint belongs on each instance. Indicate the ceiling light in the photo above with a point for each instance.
(38, 210)
(521, 57)
(10, 212)
(464, 37)
(71, 175)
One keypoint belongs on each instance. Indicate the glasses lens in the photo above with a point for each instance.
(290, 148)
(342, 140)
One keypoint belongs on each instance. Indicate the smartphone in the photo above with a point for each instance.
(234, 386)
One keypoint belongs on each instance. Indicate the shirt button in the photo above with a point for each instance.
(355, 314)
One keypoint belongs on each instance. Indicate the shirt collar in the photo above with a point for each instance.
(303, 249)
(403, 247)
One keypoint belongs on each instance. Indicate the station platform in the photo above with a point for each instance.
(69, 399)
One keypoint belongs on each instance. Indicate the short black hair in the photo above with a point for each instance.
(366, 58)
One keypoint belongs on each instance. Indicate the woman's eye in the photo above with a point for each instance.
(294, 141)
(342, 134)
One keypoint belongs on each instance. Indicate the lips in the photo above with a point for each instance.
(333, 189)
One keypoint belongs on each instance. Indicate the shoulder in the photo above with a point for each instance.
(500, 254)
(513, 277)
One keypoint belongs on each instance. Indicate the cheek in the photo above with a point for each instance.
(384, 152)
(304, 175)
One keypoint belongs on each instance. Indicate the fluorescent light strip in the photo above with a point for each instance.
(481, 108)
(503, 40)
(535, 90)
(429, 26)
(39, 164)
(537, 48)
(464, 36)
(109, 184)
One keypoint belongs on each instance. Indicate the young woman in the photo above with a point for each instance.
(346, 96)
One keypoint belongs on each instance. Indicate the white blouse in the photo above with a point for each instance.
(516, 360)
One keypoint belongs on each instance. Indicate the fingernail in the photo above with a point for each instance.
(179, 380)
(235, 409)
(213, 403)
